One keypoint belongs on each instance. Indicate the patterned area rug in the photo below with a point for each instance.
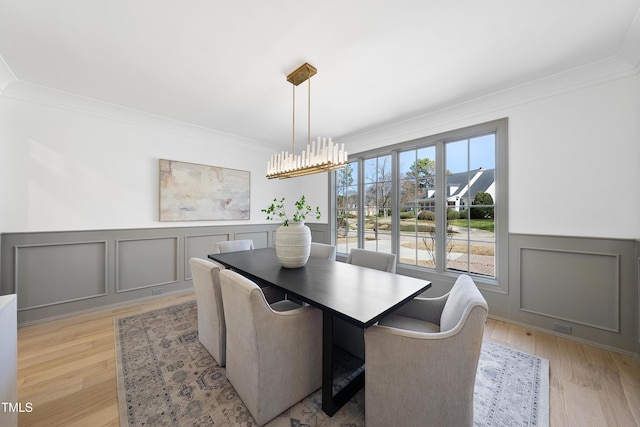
(166, 378)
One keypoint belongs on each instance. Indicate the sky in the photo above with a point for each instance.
(461, 155)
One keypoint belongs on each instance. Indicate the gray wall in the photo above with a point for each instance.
(582, 288)
(59, 273)
(589, 285)
(585, 289)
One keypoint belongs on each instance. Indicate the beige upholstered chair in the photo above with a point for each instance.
(234, 245)
(322, 250)
(212, 331)
(372, 259)
(421, 361)
(274, 352)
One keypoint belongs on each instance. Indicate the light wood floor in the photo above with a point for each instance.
(66, 369)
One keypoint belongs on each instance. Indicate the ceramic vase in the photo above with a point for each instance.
(293, 244)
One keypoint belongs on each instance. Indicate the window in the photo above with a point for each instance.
(470, 192)
(378, 207)
(347, 203)
(438, 203)
(418, 212)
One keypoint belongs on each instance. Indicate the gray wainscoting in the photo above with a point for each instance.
(60, 273)
(70, 271)
(583, 288)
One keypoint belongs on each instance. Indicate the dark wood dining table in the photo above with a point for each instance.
(359, 295)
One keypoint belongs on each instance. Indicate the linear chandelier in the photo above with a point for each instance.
(320, 156)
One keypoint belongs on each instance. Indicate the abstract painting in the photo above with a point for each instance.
(192, 192)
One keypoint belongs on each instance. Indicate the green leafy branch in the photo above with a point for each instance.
(276, 211)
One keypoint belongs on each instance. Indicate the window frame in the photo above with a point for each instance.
(440, 273)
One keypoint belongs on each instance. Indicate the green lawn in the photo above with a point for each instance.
(480, 224)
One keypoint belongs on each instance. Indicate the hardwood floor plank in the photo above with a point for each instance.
(66, 369)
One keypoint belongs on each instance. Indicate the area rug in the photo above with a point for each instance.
(167, 378)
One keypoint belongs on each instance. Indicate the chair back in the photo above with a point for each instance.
(372, 259)
(463, 297)
(418, 378)
(234, 245)
(322, 250)
(212, 329)
(274, 356)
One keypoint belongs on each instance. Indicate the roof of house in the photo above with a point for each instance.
(481, 180)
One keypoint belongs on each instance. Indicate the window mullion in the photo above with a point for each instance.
(395, 205)
(441, 211)
(361, 203)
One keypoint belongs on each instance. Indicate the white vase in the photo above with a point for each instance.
(293, 244)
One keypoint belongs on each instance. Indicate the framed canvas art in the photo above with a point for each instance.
(192, 192)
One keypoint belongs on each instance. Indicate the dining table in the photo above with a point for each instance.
(359, 295)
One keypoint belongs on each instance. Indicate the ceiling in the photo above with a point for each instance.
(223, 64)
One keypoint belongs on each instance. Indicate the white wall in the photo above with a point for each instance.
(574, 149)
(68, 163)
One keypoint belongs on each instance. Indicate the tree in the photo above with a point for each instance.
(424, 171)
(482, 206)
(345, 176)
(378, 193)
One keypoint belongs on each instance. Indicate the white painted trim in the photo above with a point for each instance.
(490, 106)
(48, 97)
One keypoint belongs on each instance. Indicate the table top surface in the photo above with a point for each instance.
(357, 294)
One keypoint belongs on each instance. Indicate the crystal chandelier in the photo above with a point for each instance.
(320, 156)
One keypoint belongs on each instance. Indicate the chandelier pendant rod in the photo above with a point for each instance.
(293, 127)
(321, 156)
(309, 113)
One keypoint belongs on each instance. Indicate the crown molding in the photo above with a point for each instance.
(489, 106)
(630, 47)
(6, 75)
(53, 98)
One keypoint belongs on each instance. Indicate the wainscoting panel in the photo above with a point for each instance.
(580, 287)
(199, 247)
(60, 273)
(260, 239)
(51, 274)
(568, 285)
(142, 263)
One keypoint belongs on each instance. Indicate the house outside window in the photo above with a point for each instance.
(439, 203)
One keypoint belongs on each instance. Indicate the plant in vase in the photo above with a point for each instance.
(293, 238)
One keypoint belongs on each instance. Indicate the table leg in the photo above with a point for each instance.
(327, 363)
(331, 403)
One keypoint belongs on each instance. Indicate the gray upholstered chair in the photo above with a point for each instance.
(372, 259)
(346, 335)
(274, 352)
(322, 250)
(421, 361)
(212, 331)
(234, 245)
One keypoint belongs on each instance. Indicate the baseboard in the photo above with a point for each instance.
(571, 338)
(104, 307)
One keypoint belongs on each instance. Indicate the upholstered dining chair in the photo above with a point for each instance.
(234, 245)
(212, 331)
(421, 360)
(322, 250)
(346, 335)
(274, 352)
(372, 259)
